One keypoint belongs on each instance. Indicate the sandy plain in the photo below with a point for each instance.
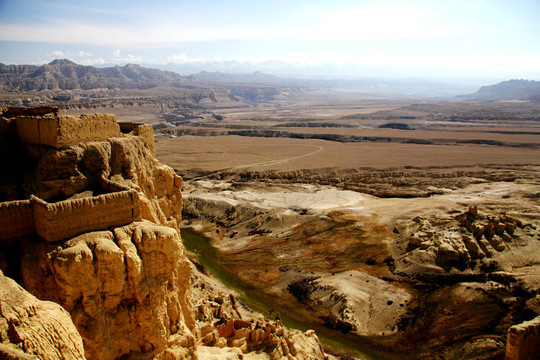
(223, 152)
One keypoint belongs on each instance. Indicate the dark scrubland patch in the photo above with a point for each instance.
(399, 126)
(316, 124)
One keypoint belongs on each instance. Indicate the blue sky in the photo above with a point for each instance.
(415, 38)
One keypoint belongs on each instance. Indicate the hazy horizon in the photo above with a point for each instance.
(474, 39)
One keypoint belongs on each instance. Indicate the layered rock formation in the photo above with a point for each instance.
(119, 271)
(461, 243)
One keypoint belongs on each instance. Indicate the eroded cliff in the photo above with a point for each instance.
(98, 233)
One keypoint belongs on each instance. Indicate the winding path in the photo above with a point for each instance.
(265, 163)
(274, 162)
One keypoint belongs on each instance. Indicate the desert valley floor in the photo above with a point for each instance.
(418, 239)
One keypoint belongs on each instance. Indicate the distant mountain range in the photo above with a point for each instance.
(62, 74)
(217, 76)
(510, 90)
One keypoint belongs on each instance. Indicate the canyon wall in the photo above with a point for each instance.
(127, 290)
(35, 327)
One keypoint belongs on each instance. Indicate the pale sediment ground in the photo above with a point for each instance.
(387, 210)
(363, 296)
(363, 299)
(323, 199)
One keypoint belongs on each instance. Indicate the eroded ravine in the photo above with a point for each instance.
(291, 313)
(265, 239)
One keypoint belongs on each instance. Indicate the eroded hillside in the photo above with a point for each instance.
(418, 276)
(90, 224)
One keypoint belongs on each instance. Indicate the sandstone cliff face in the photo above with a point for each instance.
(127, 290)
(30, 326)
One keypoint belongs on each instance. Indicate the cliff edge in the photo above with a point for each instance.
(90, 222)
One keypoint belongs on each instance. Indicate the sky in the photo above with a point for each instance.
(498, 39)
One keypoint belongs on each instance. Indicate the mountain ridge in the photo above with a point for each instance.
(63, 74)
(514, 89)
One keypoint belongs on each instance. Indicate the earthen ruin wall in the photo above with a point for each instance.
(34, 130)
(144, 131)
(16, 219)
(65, 219)
(523, 341)
(66, 131)
(87, 127)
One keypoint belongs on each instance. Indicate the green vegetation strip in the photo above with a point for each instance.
(269, 305)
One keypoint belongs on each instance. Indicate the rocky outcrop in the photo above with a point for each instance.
(460, 242)
(29, 326)
(126, 287)
(353, 301)
(229, 330)
(127, 290)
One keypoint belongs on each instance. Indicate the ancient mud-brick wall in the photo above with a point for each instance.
(65, 219)
(523, 342)
(144, 131)
(66, 131)
(16, 219)
(62, 220)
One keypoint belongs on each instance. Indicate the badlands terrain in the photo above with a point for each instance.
(395, 229)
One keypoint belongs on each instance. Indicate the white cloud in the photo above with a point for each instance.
(92, 61)
(182, 59)
(59, 53)
(84, 54)
(178, 59)
(129, 58)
